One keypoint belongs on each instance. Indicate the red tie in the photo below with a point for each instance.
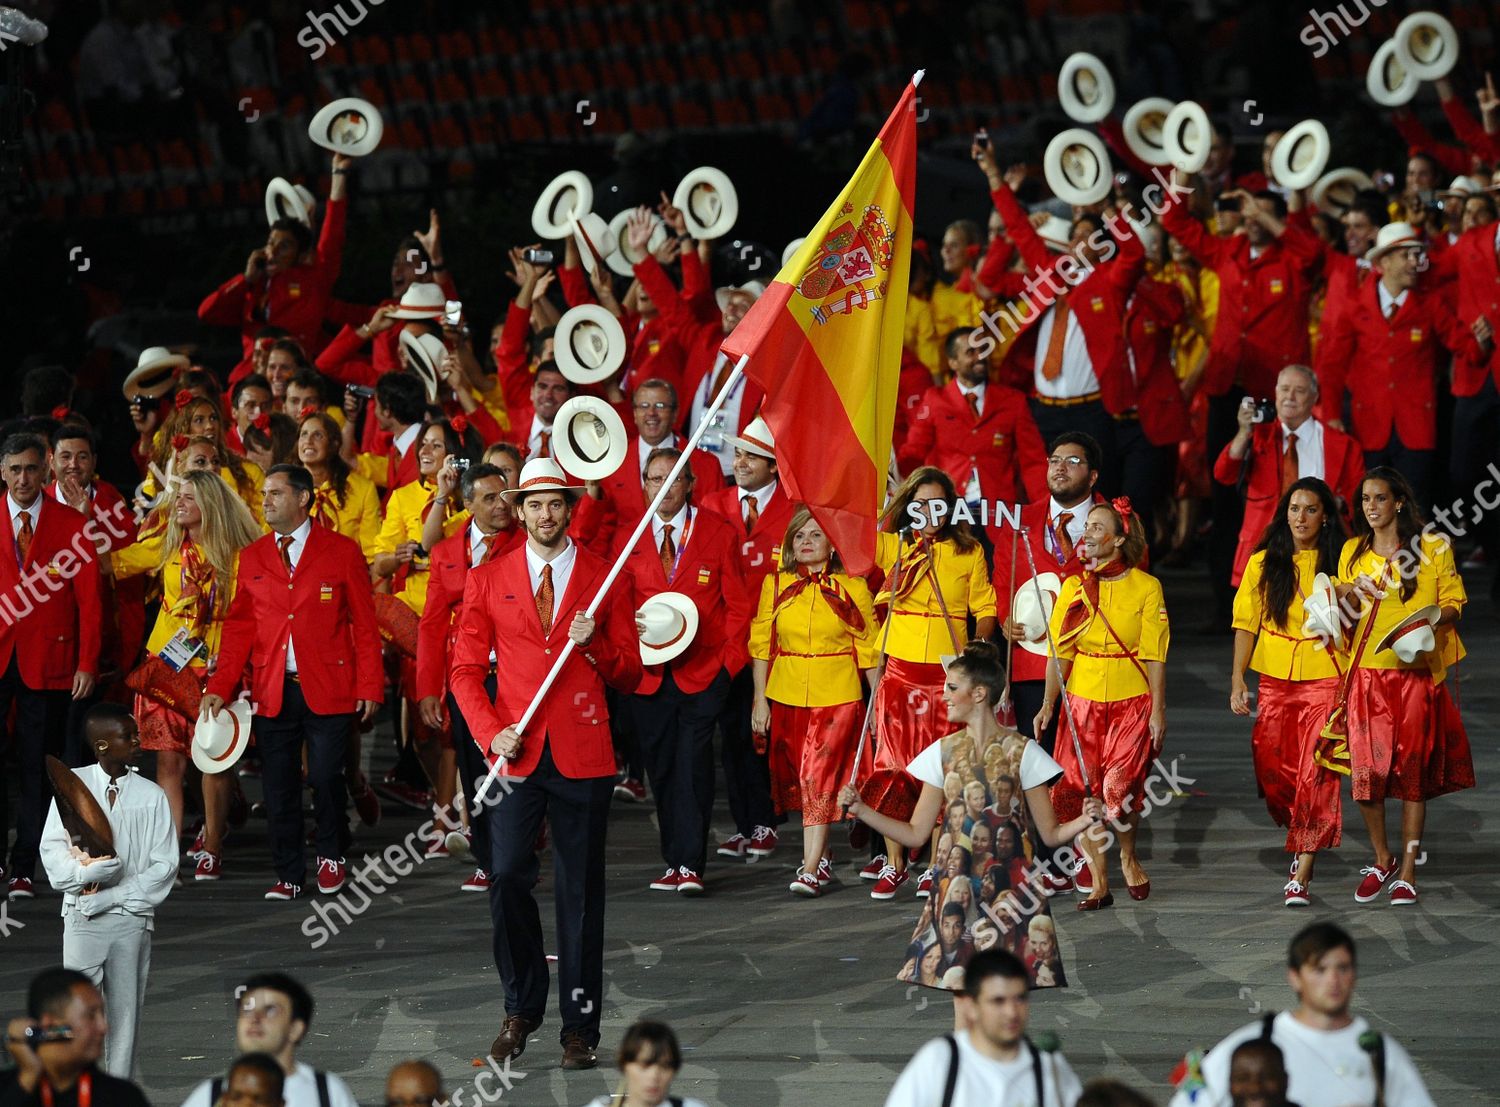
(1289, 462)
(285, 542)
(973, 398)
(545, 448)
(1064, 541)
(23, 539)
(544, 600)
(668, 552)
(1052, 362)
(752, 513)
(489, 548)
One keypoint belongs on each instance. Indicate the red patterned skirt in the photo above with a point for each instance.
(910, 713)
(812, 757)
(1406, 739)
(1116, 741)
(163, 729)
(1300, 795)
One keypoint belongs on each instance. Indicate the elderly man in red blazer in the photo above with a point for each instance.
(303, 618)
(757, 504)
(50, 619)
(492, 530)
(518, 610)
(1265, 459)
(695, 553)
(979, 431)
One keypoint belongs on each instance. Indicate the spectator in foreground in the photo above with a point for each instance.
(255, 1080)
(414, 1084)
(57, 1046)
(649, 1059)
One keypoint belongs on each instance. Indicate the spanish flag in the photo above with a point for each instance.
(824, 342)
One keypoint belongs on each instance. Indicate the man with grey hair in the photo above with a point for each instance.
(1278, 442)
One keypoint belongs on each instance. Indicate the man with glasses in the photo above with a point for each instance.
(273, 1014)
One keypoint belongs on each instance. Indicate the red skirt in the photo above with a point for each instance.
(1300, 795)
(812, 757)
(163, 729)
(1406, 739)
(910, 713)
(1116, 741)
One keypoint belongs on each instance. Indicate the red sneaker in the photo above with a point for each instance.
(1296, 894)
(873, 870)
(282, 890)
(689, 883)
(825, 872)
(890, 880)
(20, 888)
(1083, 879)
(197, 849)
(1373, 883)
(762, 842)
(806, 884)
(210, 866)
(366, 802)
(330, 875)
(438, 847)
(666, 882)
(1053, 884)
(924, 884)
(479, 882)
(630, 790)
(1402, 894)
(460, 844)
(735, 846)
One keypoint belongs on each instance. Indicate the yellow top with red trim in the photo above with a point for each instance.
(181, 606)
(917, 631)
(1284, 652)
(817, 657)
(1437, 582)
(404, 514)
(1104, 669)
(358, 517)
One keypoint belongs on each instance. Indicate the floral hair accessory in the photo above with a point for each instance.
(179, 441)
(184, 397)
(459, 423)
(1122, 505)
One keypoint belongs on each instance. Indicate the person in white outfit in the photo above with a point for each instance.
(649, 1059)
(109, 904)
(1330, 1055)
(992, 1063)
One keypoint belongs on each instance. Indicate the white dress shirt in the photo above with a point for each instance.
(294, 555)
(727, 420)
(683, 520)
(1080, 516)
(145, 846)
(406, 439)
(1309, 448)
(1387, 299)
(562, 569)
(534, 439)
(1077, 377)
(16, 511)
(761, 496)
(972, 492)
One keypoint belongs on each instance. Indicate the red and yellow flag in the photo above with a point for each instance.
(824, 342)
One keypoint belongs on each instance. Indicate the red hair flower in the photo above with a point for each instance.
(184, 397)
(179, 441)
(460, 423)
(1122, 506)
(262, 422)
(61, 412)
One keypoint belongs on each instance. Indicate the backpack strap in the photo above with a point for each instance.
(1265, 1026)
(215, 1090)
(951, 1085)
(1377, 1059)
(1036, 1073)
(322, 1080)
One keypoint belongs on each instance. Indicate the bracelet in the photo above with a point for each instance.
(684, 237)
(339, 172)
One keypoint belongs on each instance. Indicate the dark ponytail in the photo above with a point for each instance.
(980, 662)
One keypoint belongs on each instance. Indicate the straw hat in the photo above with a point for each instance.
(671, 622)
(349, 126)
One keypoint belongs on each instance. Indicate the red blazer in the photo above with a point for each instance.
(654, 354)
(1152, 313)
(1397, 362)
(1002, 442)
(1343, 466)
(295, 299)
(1098, 300)
(597, 523)
(449, 569)
(1471, 261)
(760, 550)
(499, 613)
(1026, 665)
(708, 573)
(50, 610)
(123, 602)
(1262, 322)
(325, 610)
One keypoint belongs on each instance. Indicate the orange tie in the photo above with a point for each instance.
(545, 449)
(1064, 541)
(1289, 463)
(752, 513)
(489, 548)
(23, 539)
(973, 398)
(544, 600)
(668, 552)
(720, 379)
(1052, 362)
(285, 542)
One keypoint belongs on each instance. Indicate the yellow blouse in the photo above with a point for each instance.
(917, 632)
(175, 613)
(1438, 583)
(819, 657)
(1284, 652)
(1202, 294)
(359, 515)
(920, 334)
(952, 309)
(403, 523)
(254, 502)
(1102, 671)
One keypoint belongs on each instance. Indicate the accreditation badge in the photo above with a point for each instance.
(182, 649)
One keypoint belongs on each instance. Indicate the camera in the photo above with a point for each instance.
(453, 312)
(1265, 410)
(458, 463)
(538, 257)
(364, 392)
(982, 139)
(40, 1035)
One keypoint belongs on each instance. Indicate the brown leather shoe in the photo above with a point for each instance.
(577, 1053)
(513, 1034)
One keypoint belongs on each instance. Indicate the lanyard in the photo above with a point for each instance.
(85, 1091)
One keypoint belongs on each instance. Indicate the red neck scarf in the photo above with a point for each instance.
(196, 602)
(832, 591)
(1086, 603)
(915, 563)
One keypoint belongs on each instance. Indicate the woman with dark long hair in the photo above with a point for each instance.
(1110, 628)
(942, 582)
(1406, 739)
(343, 500)
(1300, 673)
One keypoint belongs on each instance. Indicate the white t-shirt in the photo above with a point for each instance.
(615, 1101)
(1323, 1067)
(300, 1090)
(1037, 767)
(982, 1082)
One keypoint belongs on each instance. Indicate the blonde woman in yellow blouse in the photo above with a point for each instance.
(1406, 739)
(1300, 673)
(343, 500)
(207, 527)
(812, 636)
(943, 581)
(1110, 626)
